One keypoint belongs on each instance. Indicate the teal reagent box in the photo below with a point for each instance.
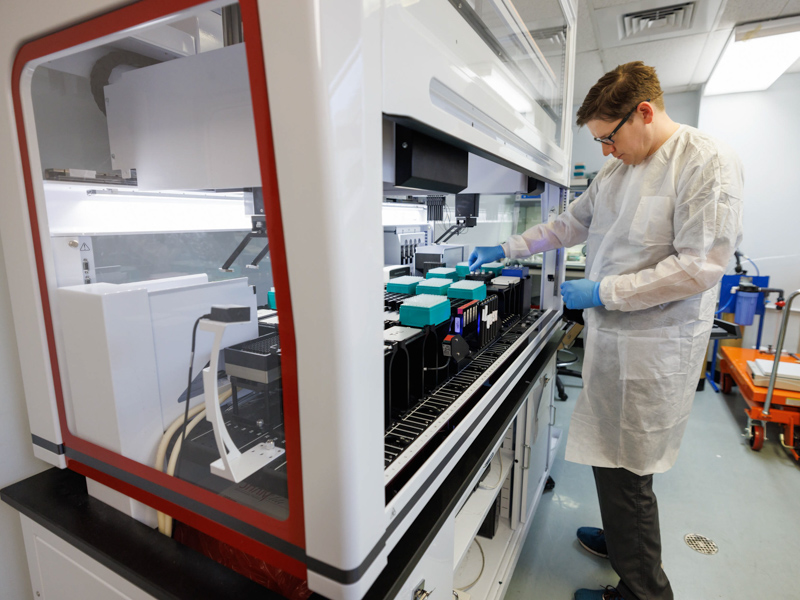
(442, 273)
(407, 284)
(468, 290)
(436, 287)
(424, 310)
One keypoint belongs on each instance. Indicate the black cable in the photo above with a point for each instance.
(447, 364)
(424, 344)
(188, 394)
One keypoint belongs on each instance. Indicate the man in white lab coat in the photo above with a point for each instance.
(661, 222)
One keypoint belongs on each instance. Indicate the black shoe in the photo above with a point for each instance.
(607, 593)
(594, 540)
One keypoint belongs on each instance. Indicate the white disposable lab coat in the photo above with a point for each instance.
(659, 237)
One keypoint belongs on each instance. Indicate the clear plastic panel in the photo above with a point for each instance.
(529, 214)
(530, 39)
(153, 216)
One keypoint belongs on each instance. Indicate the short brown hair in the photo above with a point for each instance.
(618, 91)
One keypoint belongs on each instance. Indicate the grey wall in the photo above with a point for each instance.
(682, 108)
(763, 128)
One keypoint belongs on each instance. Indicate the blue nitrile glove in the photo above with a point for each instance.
(581, 293)
(485, 254)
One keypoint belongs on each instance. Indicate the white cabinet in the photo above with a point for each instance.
(59, 571)
(433, 575)
(216, 147)
(527, 448)
(536, 446)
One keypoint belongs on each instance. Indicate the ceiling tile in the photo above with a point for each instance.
(674, 59)
(531, 12)
(709, 55)
(792, 8)
(586, 40)
(606, 3)
(743, 11)
(588, 69)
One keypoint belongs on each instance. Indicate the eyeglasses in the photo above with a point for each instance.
(608, 140)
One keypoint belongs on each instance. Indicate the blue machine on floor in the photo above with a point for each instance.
(745, 297)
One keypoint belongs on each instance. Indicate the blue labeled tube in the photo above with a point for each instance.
(745, 307)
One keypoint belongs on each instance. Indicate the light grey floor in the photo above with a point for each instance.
(747, 502)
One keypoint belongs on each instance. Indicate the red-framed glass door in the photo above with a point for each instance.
(279, 542)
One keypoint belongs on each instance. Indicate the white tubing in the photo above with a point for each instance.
(162, 447)
(165, 521)
(173, 460)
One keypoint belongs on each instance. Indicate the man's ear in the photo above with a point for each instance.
(647, 111)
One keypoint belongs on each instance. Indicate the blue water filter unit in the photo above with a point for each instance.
(746, 303)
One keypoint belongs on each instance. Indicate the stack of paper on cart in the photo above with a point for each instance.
(788, 374)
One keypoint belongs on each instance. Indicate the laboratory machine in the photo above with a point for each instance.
(223, 328)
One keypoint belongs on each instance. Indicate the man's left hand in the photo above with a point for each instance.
(581, 293)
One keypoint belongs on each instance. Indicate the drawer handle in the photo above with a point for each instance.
(526, 457)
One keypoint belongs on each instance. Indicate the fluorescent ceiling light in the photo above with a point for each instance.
(755, 56)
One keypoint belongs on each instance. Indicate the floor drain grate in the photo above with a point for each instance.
(700, 543)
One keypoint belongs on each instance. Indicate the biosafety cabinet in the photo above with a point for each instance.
(197, 277)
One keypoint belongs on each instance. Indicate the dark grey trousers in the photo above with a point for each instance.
(629, 511)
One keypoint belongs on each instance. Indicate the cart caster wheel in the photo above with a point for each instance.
(726, 385)
(756, 437)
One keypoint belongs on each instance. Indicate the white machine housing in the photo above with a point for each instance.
(352, 63)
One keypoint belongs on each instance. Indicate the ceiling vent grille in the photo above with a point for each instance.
(555, 36)
(663, 20)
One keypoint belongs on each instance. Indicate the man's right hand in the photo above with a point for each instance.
(485, 254)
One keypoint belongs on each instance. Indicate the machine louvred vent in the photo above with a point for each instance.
(665, 19)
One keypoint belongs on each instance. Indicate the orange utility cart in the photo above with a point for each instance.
(784, 407)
